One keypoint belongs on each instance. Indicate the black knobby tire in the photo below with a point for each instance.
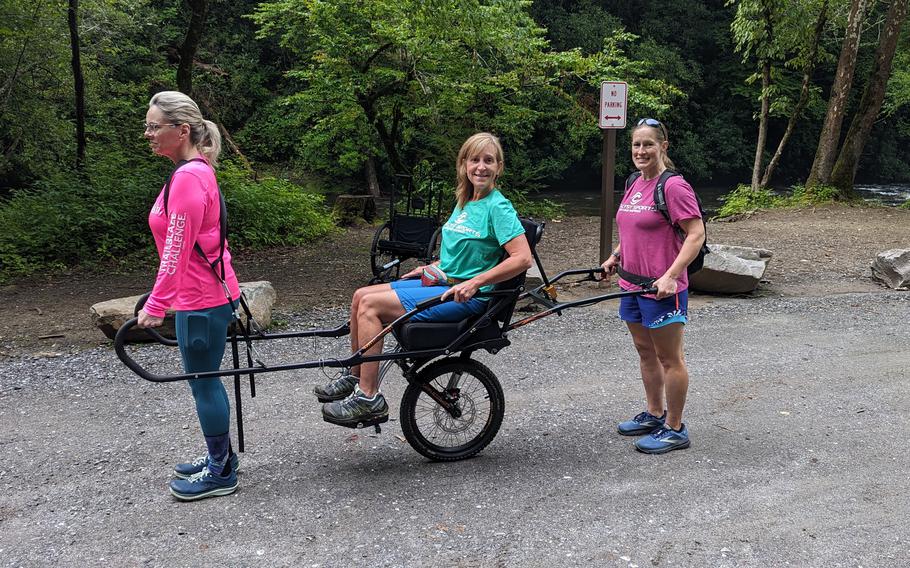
(378, 258)
(432, 430)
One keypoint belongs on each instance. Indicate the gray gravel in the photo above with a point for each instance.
(797, 412)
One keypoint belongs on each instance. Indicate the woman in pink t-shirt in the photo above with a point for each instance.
(187, 213)
(657, 250)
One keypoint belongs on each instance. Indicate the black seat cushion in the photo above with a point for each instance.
(417, 335)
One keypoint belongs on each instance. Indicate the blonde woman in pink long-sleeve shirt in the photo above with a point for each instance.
(188, 215)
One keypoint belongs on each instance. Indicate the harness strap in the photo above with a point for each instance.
(637, 279)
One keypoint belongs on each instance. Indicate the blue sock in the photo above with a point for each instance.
(219, 448)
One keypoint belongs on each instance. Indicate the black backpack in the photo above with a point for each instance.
(660, 201)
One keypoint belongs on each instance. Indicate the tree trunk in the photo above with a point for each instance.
(369, 172)
(78, 82)
(830, 136)
(199, 10)
(226, 136)
(762, 123)
(385, 136)
(811, 62)
(858, 134)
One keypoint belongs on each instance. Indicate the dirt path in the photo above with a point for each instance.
(817, 251)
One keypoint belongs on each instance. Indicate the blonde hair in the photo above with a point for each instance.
(661, 133)
(464, 189)
(180, 109)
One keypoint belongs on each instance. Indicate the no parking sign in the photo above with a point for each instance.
(613, 102)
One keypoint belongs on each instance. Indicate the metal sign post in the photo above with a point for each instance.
(612, 116)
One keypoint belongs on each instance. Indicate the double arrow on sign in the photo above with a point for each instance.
(608, 117)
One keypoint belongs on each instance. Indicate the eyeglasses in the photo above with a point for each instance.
(155, 127)
(653, 123)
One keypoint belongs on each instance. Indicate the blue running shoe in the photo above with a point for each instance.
(643, 423)
(188, 470)
(663, 440)
(204, 484)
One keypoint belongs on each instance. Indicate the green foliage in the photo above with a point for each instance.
(408, 80)
(101, 217)
(802, 195)
(529, 206)
(271, 211)
(743, 200)
(68, 219)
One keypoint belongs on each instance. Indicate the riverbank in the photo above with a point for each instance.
(817, 251)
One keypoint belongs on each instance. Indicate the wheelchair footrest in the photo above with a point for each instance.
(358, 423)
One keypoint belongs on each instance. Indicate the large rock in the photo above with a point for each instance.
(731, 270)
(110, 315)
(893, 268)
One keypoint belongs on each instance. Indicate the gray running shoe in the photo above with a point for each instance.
(357, 410)
(337, 389)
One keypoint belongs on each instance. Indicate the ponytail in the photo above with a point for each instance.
(209, 143)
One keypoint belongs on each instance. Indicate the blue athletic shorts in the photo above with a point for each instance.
(412, 292)
(653, 313)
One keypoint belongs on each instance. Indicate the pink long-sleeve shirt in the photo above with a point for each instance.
(185, 281)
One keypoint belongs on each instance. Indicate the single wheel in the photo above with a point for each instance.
(467, 419)
(380, 258)
(433, 247)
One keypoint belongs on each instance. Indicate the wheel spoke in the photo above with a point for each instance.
(433, 430)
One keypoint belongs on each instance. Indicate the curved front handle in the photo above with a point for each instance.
(153, 333)
(120, 349)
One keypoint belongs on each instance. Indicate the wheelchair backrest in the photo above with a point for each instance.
(408, 229)
(533, 232)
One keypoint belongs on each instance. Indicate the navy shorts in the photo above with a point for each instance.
(653, 313)
(412, 292)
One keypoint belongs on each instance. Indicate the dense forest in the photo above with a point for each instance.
(315, 97)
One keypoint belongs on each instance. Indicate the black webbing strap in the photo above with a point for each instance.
(637, 279)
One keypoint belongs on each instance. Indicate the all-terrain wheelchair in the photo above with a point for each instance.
(453, 405)
(410, 234)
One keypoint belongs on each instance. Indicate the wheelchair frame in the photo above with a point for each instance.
(426, 352)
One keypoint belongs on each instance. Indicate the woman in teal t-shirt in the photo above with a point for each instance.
(481, 226)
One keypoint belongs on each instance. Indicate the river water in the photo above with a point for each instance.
(586, 201)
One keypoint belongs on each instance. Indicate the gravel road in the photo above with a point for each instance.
(797, 412)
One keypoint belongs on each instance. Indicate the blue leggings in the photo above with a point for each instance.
(201, 335)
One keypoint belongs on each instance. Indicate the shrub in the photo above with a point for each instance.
(70, 219)
(803, 195)
(271, 211)
(742, 199)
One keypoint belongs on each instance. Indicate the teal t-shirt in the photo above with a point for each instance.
(472, 238)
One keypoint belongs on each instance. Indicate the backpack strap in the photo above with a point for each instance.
(222, 229)
(660, 197)
(631, 179)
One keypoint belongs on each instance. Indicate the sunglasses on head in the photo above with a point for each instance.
(653, 123)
